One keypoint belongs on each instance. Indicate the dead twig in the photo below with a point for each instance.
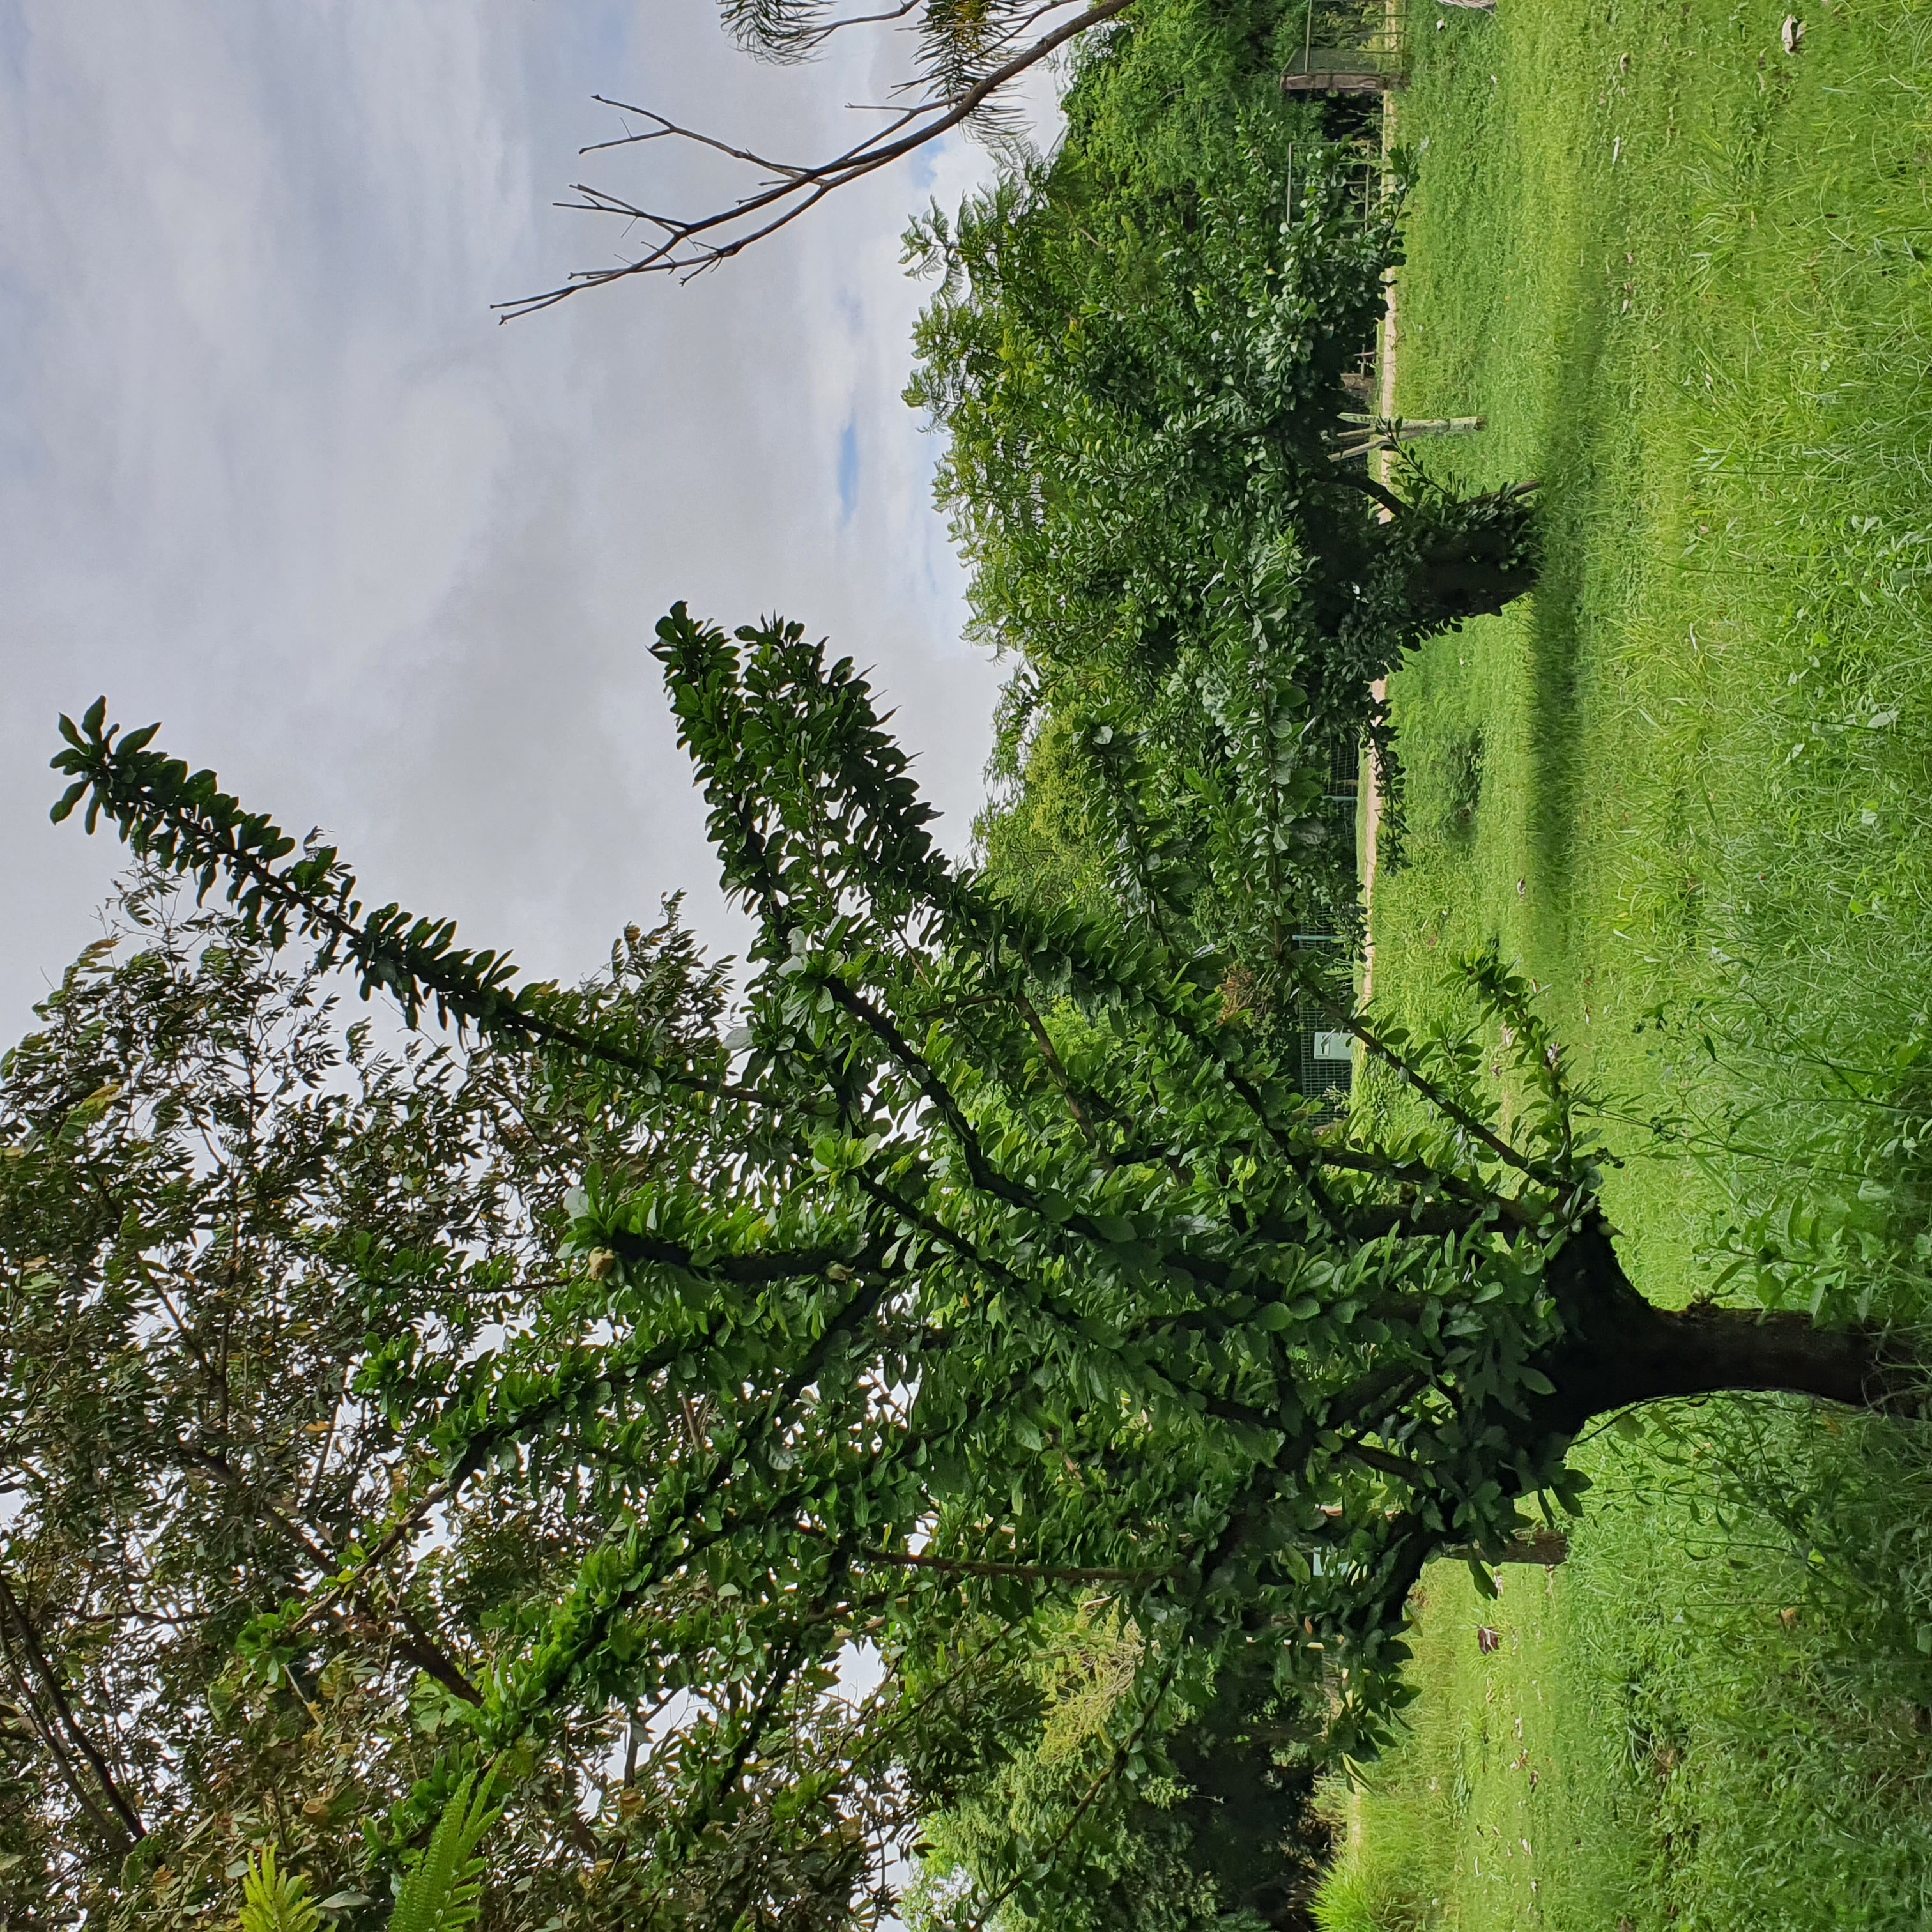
(689, 244)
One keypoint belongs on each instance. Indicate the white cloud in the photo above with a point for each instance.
(269, 470)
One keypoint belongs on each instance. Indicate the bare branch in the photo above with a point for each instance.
(664, 127)
(693, 244)
(832, 27)
(19, 1629)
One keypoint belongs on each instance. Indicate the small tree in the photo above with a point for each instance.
(1142, 392)
(1001, 1262)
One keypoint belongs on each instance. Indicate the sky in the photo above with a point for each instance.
(272, 472)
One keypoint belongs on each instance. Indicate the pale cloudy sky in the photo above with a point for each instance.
(270, 471)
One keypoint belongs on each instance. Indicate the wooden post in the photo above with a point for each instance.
(1338, 82)
(1366, 433)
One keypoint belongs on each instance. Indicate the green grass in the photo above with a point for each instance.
(1668, 1735)
(1707, 740)
(1485, 1814)
(1688, 279)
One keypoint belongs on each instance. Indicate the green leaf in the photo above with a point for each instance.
(272, 1901)
(444, 1890)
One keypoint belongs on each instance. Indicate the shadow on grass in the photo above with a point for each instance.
(1577, 459)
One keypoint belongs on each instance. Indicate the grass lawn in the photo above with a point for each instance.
(1687, 275)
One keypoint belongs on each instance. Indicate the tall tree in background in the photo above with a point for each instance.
(1149, 359)
(216, 1201)
(1141, 396)
(1141, 355)
(962, 65)
(994, 1274)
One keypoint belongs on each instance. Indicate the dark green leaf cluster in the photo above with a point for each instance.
(1142, 356)
(989, 1261)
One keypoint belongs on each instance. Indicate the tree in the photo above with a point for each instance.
(967, 57)
(218, 1206)
(1231, 1837)
(999, 1262)
(1142, 395)
(1143, 358)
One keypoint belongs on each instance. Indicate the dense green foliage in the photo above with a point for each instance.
(1229, 1837)
(216, 1200)
(1141, 355)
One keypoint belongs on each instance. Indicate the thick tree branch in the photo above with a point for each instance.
(422, 1650)
(44, 1726)
(1352, 479)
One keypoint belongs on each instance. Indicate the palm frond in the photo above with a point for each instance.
(962, 41)
(776, 30)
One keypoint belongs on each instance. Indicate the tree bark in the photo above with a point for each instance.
(1621, 1349)
(1459, 557)
(1542, 1545)
(17, 1627)
(1461, 574)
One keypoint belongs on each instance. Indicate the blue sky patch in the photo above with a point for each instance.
(926, 162)
(848, 469)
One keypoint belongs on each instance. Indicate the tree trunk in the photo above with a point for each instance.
(1469, 569)
(1621, 1349)
(1540, 1545)
(1456, 557)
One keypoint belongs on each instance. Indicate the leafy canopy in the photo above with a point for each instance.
(1146, 357)
(998, 1264)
